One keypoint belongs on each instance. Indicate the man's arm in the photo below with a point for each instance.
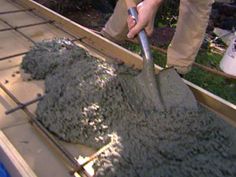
(147, 12)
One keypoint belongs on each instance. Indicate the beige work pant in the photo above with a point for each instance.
(191, 27)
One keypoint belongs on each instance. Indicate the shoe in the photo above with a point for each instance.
(179, 73)
(181, 70)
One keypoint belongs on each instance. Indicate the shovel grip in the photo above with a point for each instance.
(143, 39)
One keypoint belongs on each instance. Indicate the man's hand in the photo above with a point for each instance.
(146, 16)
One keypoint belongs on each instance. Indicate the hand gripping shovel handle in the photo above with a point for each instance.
(143, 40)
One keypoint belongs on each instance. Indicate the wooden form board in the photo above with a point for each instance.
(12, 160)
(225, 108)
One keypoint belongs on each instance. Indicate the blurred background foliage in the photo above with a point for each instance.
(63, 6)
(166, 16)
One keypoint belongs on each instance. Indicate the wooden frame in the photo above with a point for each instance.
(108, 48)
(12, 160)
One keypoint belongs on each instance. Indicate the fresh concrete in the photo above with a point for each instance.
(86, 102)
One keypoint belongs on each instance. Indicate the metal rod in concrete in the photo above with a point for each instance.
(12, 56)
(23, 105)
(26, 26)
(16, 11)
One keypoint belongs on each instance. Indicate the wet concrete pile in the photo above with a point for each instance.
(85, 102)
(83, 94)
(47, 56)
(170, 144)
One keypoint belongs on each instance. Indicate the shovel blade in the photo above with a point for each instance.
(168, 92)
(175, 94)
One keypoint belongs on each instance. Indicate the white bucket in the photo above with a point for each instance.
(228, 62)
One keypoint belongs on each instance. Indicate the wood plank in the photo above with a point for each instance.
(12, 43)
(226, 109)
(6, 6)
(12, 160)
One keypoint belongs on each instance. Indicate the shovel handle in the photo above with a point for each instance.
(143, 39)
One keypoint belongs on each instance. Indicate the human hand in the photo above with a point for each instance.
(146, 16)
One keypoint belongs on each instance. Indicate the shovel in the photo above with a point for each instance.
(146, 79)
(164, 91)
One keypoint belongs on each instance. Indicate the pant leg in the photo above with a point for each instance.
(116, 27)
(190, 31)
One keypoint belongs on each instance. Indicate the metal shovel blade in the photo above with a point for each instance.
(174, 93)
(165, 91)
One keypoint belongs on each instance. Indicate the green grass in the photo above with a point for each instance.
(217, 85)
(208, 59)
